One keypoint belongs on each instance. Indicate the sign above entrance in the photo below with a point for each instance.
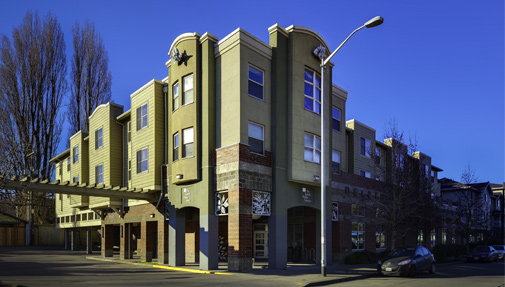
(306, 195)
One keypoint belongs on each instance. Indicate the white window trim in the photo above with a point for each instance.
(314, 149)
(262, 135)
(314, 88)
(339, 120)
(183, 103)
(262, 85)
(182, 144)
(368, 147)
(139, 171)
(176, 97)
(142, 116)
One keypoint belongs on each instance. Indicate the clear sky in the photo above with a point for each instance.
(436, 67)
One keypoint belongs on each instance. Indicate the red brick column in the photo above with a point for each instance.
(107, 240)
(146, 244)
(240, 233)
(125, 241)
(163, 241)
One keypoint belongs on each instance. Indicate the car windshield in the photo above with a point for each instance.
(499, 247)
(406, 251)
(481, 249)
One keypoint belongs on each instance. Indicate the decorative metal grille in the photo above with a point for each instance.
(221, 203)
(334, 211)
(261, 203)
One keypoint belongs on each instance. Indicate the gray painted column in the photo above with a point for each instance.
(209, 242)
(67, 245)
(73, 237)
(176, 238)
(277, 242)
(89, 243)
(329, 239)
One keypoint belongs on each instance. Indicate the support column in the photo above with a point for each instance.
(209, 242)
(176, 238)
(329, 236)
(163, 241)
(146, 233)
(89, 242)
(277, 240)
(240, 249)
(67, 243)
(73, 239)
(125, 241)
(318, 238)
(107, 240)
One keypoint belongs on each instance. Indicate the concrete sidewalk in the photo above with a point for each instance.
(295, 274)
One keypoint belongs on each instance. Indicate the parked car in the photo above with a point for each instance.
(407, 261)
(500, 249)
(483, 253)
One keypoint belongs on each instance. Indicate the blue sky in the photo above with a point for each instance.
(436, 67)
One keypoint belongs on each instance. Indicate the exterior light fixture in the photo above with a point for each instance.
(316, 177)
(179, 176)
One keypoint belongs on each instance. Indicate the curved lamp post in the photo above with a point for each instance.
(320, 52)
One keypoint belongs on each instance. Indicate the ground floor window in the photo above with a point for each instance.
(380, 239)
(358, 236)
(444, 236)
(433, 238)
(420, 238)
(453, 236)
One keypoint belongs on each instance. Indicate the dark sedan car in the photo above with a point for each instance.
(407, 261)
(483, 253)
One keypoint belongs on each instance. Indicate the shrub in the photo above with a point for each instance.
(448, 252)
(361, 257)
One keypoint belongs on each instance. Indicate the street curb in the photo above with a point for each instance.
(340, 280)
(191, 270)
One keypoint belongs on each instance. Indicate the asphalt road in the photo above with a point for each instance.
(447, 275)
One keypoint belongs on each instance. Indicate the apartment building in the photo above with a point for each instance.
(230, 140)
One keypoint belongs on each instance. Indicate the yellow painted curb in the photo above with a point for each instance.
(190, 270)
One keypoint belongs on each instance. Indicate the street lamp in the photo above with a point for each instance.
(320, 52)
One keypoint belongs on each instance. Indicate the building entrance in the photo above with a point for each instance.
(260, 241)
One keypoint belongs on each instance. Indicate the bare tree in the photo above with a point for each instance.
(406, 191)
(90, 76)
(32, 87)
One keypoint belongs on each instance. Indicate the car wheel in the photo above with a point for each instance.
(432, 268)
(412, 271)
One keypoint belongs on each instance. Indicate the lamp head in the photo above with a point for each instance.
(376, 21)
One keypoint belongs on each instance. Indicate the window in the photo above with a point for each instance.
(377, 156)
(358, 210)
(453, 236)
(420, 237)
(129, 132)
(129, 170)
(335, 161)
(98, 138)
(444, 236)
(433, 238)
(175, 99)
(76, 179)
(358, 236)
(365, 174)
(335, 119)
(312, 91)
(187, 94)
(188, 143)
(312, 151)
(380, 239)
(175, 155)
(400, 160)
(99, 174)
(68, 164)
(75, 154)
(142, 160)
(255, 87)
(426, 170)
(364, 147)
(256, 138)
(142, 117)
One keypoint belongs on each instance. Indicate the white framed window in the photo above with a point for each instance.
(366, 174)
(188, 143)
(256, 138)
(364, 147)
(68, 164)
(187, 93)
(142, 160)
(99, 174)
(335, 119)
(76, 179)
(312, 150)
(75, 154)
(142, 117)
(335, 161)
(358, 236)
(175, 155)
(175, 96)
(98, 138)
(255, 83)
(312, 91)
